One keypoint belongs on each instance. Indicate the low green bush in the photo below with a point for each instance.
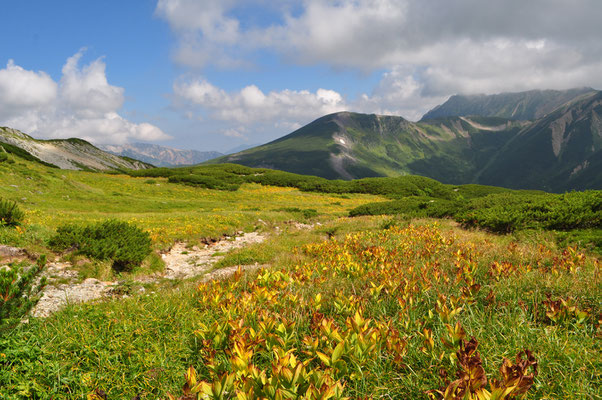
(305, 212)
(123, 243)
(410, 206)
(507, 212)
(10, 213)
(207, 182)
(20, 287)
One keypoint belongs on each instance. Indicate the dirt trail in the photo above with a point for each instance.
(180, 263)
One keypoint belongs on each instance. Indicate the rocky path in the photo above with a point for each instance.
(181, 262)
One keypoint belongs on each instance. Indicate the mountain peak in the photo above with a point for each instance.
(529, 105)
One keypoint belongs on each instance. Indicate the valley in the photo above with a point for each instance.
(255, 273)
(301, 200)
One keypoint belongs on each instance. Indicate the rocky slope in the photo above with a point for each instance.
(530, 105)
(67, 153)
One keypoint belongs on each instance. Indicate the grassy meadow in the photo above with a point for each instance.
(402, 305)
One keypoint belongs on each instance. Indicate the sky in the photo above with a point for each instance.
(213, 75)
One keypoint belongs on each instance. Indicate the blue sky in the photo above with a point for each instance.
(212, 75)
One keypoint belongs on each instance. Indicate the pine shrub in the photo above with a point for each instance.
(10, 213)
(123, 243)
(19, 291)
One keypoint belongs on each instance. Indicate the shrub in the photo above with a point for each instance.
(19, 291)
(123, 243)
(508, 212)
(10, 214)
(305, 212)
(410, 206)
(207, 182)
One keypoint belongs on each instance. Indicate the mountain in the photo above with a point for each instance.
(161, 156)
(351, 145)
(561, 150)
(240, 148)
(530, 105)
(65, 153)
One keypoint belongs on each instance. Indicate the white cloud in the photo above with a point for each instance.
(464, 46)
(82, 104)
(429, 50)
(22, 89)
(86, 90)
(251, 106)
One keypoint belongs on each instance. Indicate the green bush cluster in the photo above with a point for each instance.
(231, 176)
(10, 213)
(123, 243)
(204, 181)
(577, 213)
(305, 212)
(410, 206)
(20, 286)
(508, 212)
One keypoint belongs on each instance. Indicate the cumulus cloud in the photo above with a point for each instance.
(251, 106)
(21, 89)
(82, 104)
(425, 51)
(463, 46)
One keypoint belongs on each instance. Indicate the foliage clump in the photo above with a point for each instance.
(506, 213)
(207, 182)
(415, 206)
(19, 290)
(10, 213)
(123, 243)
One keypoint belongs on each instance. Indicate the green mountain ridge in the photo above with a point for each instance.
(558, 152)
(74, 153)
(529, 105)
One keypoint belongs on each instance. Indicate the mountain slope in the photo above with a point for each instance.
(561, 151)
(68, 153)
(161, 156)
(351, 145)
(530, 105)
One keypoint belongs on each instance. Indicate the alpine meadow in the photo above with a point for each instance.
(354, 199)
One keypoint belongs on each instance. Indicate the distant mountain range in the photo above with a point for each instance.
(64, 153)
(549, 140)
(527, 106)
(161, 156)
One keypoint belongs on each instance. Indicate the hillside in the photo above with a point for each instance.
(558, 152)
(351, 145)
(76, 154)
(369, 305)
(160, 156)
(530, 105)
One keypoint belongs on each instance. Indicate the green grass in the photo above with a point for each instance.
(391, 269)
(169, 212)
(142, 345)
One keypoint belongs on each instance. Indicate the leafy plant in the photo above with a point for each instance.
(20, 286)
(123, 243)
(10, 213)
(472, 382)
